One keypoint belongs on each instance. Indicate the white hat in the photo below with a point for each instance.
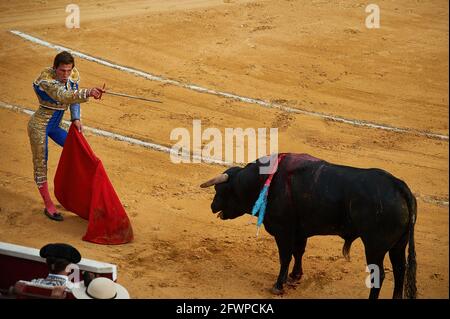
(101, 288)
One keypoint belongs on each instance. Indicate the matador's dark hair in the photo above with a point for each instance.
(63, 58)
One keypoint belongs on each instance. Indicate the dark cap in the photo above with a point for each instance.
(63, 251)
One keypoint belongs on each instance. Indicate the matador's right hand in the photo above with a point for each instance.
(96, 93)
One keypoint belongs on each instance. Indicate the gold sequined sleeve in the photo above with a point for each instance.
(58, 92)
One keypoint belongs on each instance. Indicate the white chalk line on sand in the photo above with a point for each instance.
(259, 102)
(439, 201)
(127, 139)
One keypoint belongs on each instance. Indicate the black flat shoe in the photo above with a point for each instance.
(56, 216)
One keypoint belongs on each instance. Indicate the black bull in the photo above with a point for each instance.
(311, 197)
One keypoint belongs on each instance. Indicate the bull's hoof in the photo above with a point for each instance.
(293, 279)
(277, 291)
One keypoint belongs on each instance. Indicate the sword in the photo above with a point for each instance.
(131, 96)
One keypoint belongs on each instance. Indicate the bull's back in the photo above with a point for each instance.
(332, 199)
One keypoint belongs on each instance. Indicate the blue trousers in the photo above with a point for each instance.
(54, 131)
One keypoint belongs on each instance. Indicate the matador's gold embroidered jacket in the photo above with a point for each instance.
(57, 95)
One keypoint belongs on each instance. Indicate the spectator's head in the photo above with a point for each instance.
(63, 65)
(59, 256)
(101, 288)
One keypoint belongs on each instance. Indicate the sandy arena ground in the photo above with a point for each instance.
(313, 55)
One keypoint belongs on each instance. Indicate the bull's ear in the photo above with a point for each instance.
(222, 178)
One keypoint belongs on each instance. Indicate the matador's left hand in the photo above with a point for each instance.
(78, 125)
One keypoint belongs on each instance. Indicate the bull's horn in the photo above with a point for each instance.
(222, 178)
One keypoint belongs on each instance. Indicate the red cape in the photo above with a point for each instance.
(82, 187)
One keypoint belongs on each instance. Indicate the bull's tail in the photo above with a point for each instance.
(346, 248)
(411, 266)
